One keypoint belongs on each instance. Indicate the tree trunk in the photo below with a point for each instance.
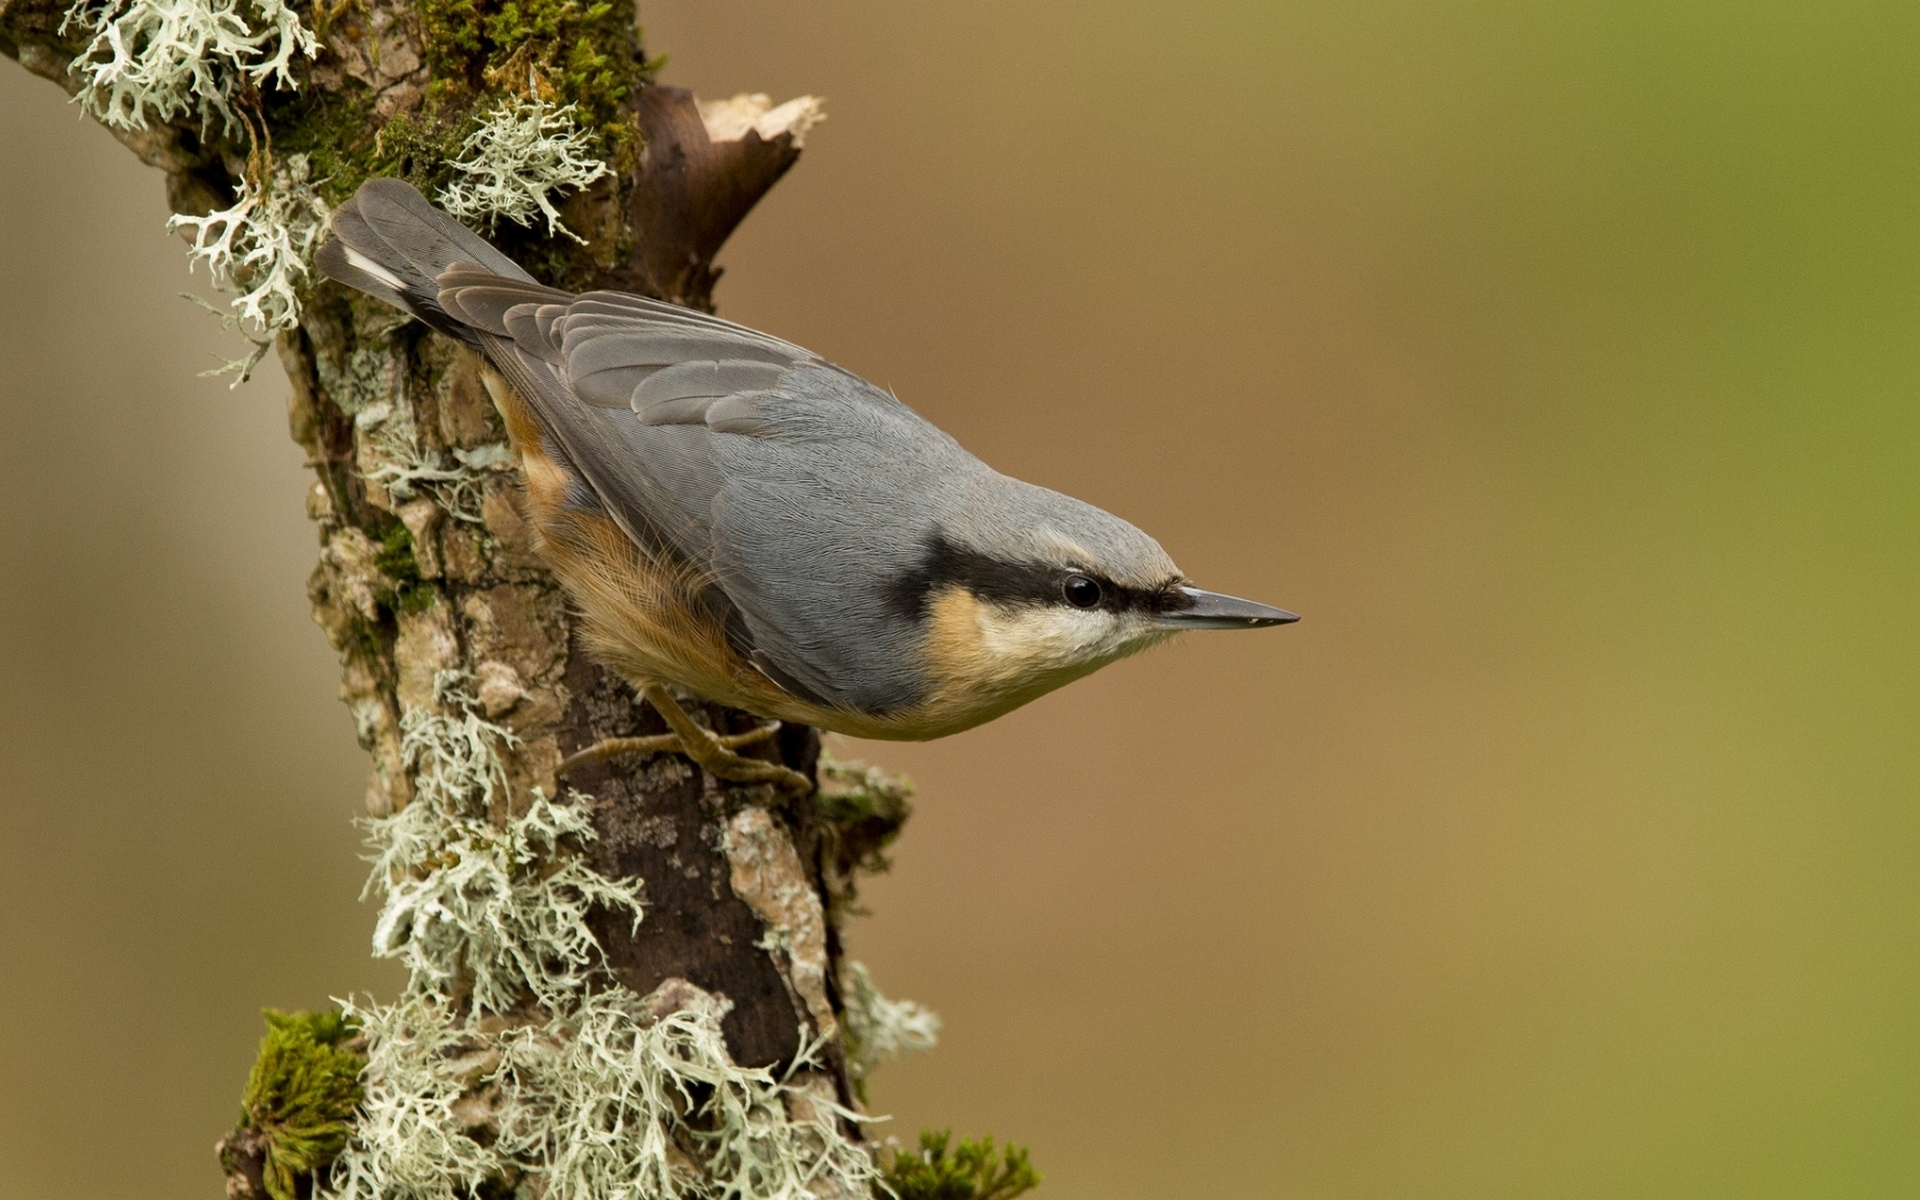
(428, 583)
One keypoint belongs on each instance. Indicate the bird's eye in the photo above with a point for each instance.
(1080, 591)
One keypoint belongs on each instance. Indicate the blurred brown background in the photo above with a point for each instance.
(1558, 362)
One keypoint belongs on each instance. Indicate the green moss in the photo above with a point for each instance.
(346, 144)
(585, 54)
(865, 806)
(418, 147)
(333, 129)
(395, 556)
(301, 1094)
(367, 645)
(417, 600)
(411, 593)
(969, 1171)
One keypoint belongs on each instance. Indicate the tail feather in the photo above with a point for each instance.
(342, 258)
(390, 243)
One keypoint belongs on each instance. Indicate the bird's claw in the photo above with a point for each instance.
(717, 753)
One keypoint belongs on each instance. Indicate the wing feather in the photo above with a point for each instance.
(522, 323)
(485, 305)
(697, 380)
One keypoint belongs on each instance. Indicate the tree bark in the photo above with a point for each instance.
(416, 585)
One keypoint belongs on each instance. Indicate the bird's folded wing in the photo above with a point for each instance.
(734, 449)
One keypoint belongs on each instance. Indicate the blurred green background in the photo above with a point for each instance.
(1557, 361)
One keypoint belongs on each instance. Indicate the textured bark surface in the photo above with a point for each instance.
(664, 823)
(421, 577)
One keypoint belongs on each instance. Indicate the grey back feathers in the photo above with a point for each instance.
(807, 493)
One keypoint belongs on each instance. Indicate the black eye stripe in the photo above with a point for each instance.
(945, 564)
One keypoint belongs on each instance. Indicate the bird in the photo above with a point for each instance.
(736, 516)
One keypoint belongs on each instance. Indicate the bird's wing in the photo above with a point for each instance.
(788, 478)
(602, 365)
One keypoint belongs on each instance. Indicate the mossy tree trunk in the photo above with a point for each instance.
(427, 572)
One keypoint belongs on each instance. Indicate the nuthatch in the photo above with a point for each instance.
(734, 514)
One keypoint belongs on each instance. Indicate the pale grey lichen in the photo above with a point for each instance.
(240, 368)
(768, 875)
(154, 60)
(262, 249)
(523, 151)
(879, 1029)
(411, 1141)
(500, 908)
(396, 459)
(614, 1097)
(459, 488)
(612, 1101)
(149, 61)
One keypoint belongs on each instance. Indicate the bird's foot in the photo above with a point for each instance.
(715, 752)
(657, 743)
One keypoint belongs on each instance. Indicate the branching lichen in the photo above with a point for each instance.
(616, 1097)
(612, 1102)
(878, 1029)
(406, 468)
(524, 103)
(500, 909)
(262, 248)
(149, 61)
(523, 150)
(867, 805)
(412, 1141)
(969, 1171)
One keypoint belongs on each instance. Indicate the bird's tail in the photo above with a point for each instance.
(390, 243)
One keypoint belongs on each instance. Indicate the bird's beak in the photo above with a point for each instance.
(1211, 610)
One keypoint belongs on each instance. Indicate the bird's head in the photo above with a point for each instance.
(1039, 589)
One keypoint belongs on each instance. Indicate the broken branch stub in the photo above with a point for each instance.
(706, 164)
